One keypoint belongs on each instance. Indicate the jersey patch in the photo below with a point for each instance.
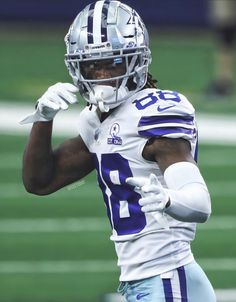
(114, 139)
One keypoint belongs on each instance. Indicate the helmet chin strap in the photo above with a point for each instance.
(105, 97)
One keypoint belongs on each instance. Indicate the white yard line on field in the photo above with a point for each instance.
(213, 129)
(95, 266)
(226, 295)
(53, 225)
(91, 224)
(216, 129)
(60, 266)
(10, 115)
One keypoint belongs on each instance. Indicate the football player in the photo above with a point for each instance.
(143, 143)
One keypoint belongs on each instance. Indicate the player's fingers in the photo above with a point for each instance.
(64, 86)
(65, 91)
(61, 102)
(47, 103)
(67, 96)
(151, 208)
(153, 179)
(151, 189)
(70, 87)
(136, 181)
(148, 200)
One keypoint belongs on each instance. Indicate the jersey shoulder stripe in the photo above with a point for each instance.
(165, 119)
(172, 132)
(173, 126)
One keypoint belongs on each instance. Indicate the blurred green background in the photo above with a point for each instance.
(32, 58)
(56, 248)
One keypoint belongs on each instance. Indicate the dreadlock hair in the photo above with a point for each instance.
(151, 82)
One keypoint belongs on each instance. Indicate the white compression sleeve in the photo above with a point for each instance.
(189, 196)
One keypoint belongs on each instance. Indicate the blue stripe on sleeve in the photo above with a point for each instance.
(158, 132)
(153, 120)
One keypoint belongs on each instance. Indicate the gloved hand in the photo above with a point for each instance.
(154, 197)
(57, 97)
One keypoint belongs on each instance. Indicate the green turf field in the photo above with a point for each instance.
(56, 248)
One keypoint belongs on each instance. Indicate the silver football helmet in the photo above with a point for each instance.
(108, 36)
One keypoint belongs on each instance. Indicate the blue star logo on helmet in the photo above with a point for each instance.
(131, 44)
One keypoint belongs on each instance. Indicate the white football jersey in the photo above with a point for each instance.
(144, 248)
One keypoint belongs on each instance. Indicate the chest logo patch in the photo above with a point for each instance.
(115, 139)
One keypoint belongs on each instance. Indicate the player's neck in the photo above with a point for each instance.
(103, 115)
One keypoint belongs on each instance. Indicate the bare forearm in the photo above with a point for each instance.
(38, 156)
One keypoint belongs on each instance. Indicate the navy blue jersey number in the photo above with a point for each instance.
(155, 97)
(121, 200)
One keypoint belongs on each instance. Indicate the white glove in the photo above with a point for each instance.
(154, 197)
(57, 97)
